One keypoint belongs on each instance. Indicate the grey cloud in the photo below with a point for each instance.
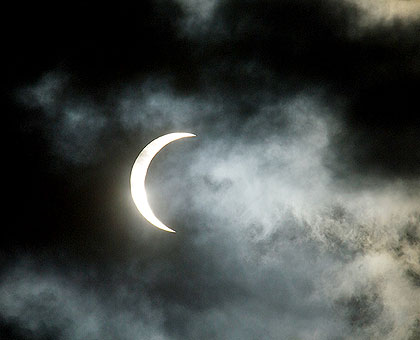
(277, 246)
(76, 126)
(272, 242)
(73, 124)
(45, 303)
(154, 105)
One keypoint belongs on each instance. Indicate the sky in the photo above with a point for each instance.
(297, 206)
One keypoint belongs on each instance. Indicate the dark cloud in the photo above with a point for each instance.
(369, 73)
(254, 50)
(296, 209)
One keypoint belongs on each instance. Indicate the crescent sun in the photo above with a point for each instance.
(139, 172)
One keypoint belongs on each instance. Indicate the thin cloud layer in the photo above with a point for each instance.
(296, 208)
(278, 246)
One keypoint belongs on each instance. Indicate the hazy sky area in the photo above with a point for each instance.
(297, 207)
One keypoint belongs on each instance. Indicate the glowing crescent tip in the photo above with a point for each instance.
(139, 172)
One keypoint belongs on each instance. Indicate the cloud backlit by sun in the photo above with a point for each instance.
(388, 10)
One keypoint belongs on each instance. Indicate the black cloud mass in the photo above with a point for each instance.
(297, 208)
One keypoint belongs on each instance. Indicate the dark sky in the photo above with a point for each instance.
(297, 207)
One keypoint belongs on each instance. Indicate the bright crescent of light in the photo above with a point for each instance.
(139, 172)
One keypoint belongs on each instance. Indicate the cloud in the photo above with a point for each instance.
(389, 10)
(73, 124)
(270, 243)
(251, 52)
(296, 208)
(45, 303)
